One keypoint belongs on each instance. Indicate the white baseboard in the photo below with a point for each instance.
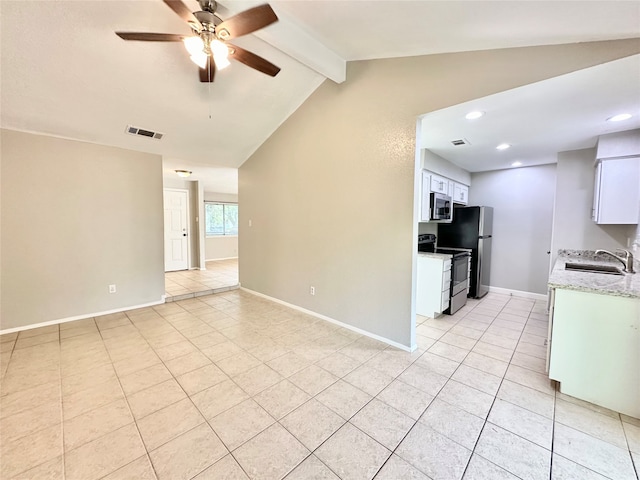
(80, 317)
(518, 293)
(332, 320)
(216, 259)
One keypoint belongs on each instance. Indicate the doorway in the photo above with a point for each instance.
(176, 233)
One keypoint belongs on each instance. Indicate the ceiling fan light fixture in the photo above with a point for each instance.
(200, 59)
(194, 45)
(221, 62)
(183, 173)
(220, 54)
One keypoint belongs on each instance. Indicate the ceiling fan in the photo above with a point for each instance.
(208, 44)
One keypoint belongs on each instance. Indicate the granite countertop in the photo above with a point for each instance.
(627, 285)
(442, 256)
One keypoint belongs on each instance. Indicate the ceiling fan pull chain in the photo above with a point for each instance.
(210, 101)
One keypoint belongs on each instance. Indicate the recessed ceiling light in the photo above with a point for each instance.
(620, 117)
(503, 146)
(474, 115)
(516, 164)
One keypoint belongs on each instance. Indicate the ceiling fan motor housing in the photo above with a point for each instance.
(208, 20)
(208, 5)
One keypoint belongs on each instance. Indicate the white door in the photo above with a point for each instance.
(176, 240)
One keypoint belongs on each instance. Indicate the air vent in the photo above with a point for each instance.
(143, 132)
(461, 141)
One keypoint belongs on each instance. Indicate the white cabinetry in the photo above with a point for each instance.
(425, 197)
(595, 350)
(616, 198)
(460, 193)
(432, 182)
(439, 184)
(433, 284)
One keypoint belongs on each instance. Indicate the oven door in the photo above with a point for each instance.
(459, 274)
(440, 207)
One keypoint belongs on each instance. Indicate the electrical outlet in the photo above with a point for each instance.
(312, 290)
(250, 223)
(112, 289)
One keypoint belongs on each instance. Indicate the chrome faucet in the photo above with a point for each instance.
(627, 260)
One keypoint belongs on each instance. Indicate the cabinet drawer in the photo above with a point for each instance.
(446, 265)
(446, 279)
(445, 300)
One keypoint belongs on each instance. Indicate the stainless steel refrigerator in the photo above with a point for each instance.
(472, 227)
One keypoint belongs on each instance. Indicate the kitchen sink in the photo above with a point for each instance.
(590, 268)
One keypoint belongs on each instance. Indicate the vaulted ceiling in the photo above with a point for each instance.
(64, 72)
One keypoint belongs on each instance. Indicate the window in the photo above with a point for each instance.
(221, 218)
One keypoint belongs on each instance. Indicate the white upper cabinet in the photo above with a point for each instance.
(439, 184)
(425, 197)
(460, 193)
(616, 197)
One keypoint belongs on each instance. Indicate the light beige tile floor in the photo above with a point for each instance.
(232, 386)
(220, 276)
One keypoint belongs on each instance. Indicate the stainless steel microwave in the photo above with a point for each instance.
(440, 206)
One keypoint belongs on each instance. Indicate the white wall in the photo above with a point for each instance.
(522, 199)
(572, 226)
(619, 144)
(220, 197)
(77, 217)
(221, 246)
(436, 164)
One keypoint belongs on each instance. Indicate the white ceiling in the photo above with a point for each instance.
(64, 72)
(539, 120)
(359, 30)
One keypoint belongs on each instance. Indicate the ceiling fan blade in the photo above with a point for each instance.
(151, 37)
(209, 72)
(252, 60)
(246, 22)
(183, 12)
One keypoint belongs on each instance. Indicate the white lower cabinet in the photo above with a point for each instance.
(595, 349)
(433, 284)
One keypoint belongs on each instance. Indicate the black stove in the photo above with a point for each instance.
(427, 243)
